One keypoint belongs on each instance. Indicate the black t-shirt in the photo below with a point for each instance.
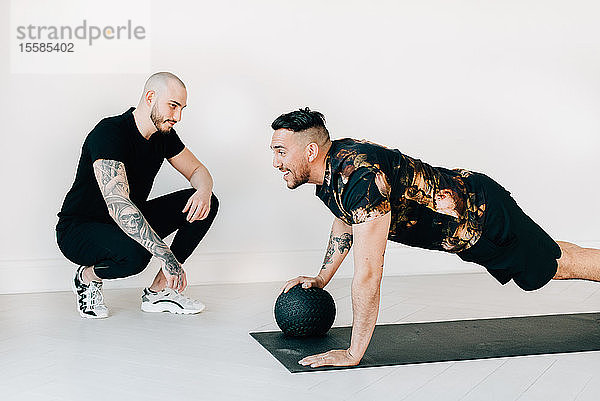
(432, 207)
(117, 138)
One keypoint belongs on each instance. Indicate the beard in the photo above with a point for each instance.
(158, 120)
(300, 178)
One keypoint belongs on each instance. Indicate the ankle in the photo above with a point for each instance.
(157, 287)
(88, 275)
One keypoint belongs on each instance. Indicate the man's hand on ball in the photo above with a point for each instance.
(338, 357)
(307, 282)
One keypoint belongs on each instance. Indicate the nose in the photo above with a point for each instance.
(177, 116)
(276, 163)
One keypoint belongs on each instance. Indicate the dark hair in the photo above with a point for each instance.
(300, 120)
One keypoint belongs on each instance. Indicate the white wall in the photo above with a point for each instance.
(510, 88)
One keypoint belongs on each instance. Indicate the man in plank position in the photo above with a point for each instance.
(108, 226)
(376, 194)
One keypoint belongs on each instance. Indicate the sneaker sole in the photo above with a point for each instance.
(153, 308)
(83, 315)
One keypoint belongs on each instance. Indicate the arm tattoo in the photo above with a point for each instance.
(344, 242)
(329, 253)
(111, 177)
(113, 183)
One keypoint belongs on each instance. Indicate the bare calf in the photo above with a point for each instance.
(578, 263)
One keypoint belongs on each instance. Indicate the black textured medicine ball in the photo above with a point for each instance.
(303, 312)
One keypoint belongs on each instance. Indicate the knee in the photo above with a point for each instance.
(134, 261)
(204, 224)
(199, 228)
(214, 205)
(564, 270)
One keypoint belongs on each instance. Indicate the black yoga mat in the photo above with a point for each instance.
(457, 340)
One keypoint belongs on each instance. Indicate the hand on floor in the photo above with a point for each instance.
(339, 357)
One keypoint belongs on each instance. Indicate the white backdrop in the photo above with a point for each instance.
(509, 88)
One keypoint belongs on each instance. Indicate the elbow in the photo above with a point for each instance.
(111, 198)
(200, 174)
(112, 202)
(191, 176)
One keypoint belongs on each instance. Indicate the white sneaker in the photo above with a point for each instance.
(90, 301)
(169, 300)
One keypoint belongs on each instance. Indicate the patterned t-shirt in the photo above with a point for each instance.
(432, 207)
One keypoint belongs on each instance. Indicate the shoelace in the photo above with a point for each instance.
(179, 297)
(96, 297)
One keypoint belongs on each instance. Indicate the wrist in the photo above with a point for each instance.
(202, 187)
(354, 354)
(170, 264)
(203, 190)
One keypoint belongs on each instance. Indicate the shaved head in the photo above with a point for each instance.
(161, 81)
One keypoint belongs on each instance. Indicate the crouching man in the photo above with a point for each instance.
(108, 226)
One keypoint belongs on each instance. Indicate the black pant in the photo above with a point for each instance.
(114, 254)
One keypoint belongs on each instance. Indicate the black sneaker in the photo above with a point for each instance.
(90, 301)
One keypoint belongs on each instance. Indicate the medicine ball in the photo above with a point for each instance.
(303, 312)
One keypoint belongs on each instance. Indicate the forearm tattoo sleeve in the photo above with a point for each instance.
(344, 243)
(113, 183)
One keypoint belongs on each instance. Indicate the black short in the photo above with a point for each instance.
(512, 246)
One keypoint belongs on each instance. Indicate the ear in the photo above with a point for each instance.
(149, 97)
(312, 151)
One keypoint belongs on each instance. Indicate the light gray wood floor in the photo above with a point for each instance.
(47, 352)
